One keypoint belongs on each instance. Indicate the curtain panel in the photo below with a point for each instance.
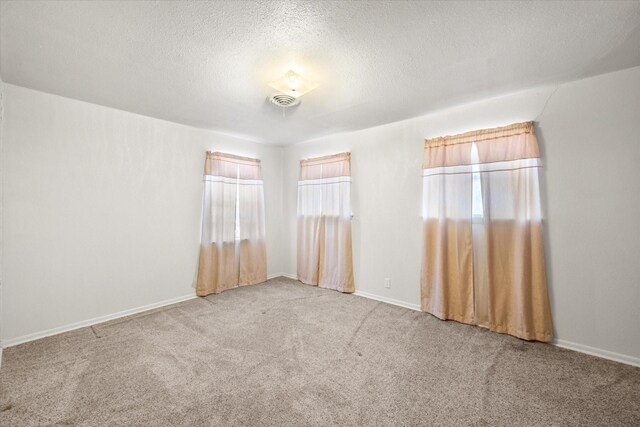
(324, 223)
(233, 241)
(488, 268)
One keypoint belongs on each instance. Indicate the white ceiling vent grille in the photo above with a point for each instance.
(283, 100)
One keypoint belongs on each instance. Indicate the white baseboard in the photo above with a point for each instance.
(399, 303)
(580, 348)
(70, 327)
(593, 351)
(287, 275)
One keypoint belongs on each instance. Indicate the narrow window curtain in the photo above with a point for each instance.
(493, 275)
(324, 223)
(233, 244)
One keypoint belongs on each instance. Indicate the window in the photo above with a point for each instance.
(233, 246)
(324, 222)
(236, 233)
(490, 272)
(477, 209)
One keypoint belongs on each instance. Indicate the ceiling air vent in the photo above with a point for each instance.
(283, 100)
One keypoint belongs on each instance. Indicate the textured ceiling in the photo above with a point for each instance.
(207, 64)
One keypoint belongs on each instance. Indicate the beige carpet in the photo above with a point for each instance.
(286, 354)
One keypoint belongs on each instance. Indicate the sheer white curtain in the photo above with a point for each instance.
(483, 258)
(253, 245)
(233, 244)
(447, 262)
(324, 223)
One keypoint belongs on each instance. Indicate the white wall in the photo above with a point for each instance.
(102, 209)
(1, 198)
(589, 136)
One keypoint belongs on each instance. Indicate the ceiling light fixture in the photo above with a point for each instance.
(293, 84)
(290, 88)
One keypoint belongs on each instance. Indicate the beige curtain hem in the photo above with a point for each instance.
(525, 335)
(216, 268)
(307, 282)
(216, 292)
(454, 317)
(348, 289)
(253, 282)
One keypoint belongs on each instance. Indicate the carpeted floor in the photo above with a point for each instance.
(286, 354)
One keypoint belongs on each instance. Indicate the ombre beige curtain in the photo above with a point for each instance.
(233, 243)
(483, 259)
(324, 223)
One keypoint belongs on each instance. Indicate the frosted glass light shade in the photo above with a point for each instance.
(293, 84)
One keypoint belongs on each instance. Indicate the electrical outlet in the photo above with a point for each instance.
(387, 282)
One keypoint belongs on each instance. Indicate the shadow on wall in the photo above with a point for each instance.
(546, 223)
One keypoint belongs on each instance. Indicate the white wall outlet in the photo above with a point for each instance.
(387, 282)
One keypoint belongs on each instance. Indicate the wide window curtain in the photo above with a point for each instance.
(494, 274)
(324, 223)
(233, 244)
